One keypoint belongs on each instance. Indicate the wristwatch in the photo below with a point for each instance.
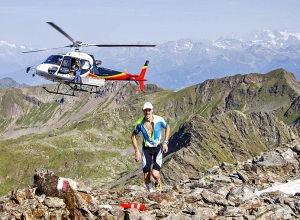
(166, 142)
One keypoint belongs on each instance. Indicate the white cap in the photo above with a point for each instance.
(147, 105)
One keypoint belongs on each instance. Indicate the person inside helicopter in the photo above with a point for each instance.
(74, 63)
(77, 71)
(59, 61)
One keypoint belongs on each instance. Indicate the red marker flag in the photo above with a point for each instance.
(138, 206)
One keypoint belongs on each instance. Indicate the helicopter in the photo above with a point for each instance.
(62, 68)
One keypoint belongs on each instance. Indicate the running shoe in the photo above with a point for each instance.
(158, 186)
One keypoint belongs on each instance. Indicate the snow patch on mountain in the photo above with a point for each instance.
(6, 44)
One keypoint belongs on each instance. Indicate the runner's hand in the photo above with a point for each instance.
(137, 156)
(165, 147)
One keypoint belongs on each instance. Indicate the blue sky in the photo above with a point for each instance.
(132, 21)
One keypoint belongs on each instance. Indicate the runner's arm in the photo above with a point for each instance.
(167, 133)
(136, 149)
(166, 141)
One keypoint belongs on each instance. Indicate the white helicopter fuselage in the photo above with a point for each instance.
(60, 68)
(43, 70)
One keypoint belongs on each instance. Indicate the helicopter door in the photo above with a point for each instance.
(85, 66)
(66, 65)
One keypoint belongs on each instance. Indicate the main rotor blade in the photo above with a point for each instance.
(61, 31)
(122, 45)
(32, 51)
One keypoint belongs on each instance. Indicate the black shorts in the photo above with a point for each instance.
(152, 155)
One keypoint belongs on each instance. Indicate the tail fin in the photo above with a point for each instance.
(141, 78)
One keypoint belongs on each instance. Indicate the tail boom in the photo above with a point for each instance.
(108, 74)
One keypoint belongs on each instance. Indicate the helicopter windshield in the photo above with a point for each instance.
(54, 59)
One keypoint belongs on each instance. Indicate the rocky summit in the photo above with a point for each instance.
(228, 191)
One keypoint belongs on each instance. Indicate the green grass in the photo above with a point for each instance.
(38, 114)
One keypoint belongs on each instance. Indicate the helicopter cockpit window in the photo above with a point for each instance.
(54, 59)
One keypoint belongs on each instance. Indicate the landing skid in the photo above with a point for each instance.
(57, 92)
(73, 87)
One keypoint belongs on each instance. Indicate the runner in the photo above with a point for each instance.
(150, 125)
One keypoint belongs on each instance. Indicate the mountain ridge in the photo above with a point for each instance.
(8, 82)
(230, 137)
(87, 137)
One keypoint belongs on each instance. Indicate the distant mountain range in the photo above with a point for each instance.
(177, 64)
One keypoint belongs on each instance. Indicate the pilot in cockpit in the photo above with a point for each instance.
(59, 61)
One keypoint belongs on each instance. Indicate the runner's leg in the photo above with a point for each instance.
(146, 164)
(157, 157)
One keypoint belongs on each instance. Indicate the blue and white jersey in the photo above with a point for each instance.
(155, 139)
